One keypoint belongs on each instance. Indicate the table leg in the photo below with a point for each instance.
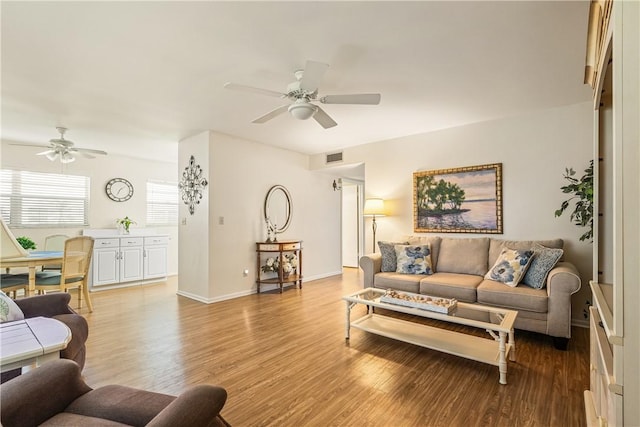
(32, 281)
(347, 323)
(512, 343)
(502, 364)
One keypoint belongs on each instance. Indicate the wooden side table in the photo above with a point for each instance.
(278, 250)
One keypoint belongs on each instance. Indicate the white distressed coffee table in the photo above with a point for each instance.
(492, 350)
(31, 341)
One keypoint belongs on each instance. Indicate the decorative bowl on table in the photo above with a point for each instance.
(423, 302)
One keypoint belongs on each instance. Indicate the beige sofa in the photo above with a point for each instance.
(459, 267)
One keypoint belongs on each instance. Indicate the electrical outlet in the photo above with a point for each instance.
(221, 220)
(184, 221)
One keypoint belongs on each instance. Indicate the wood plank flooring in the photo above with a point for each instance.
(284, 361)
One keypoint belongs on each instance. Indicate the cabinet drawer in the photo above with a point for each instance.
(106, 243)
(158, 240)
(290, 246)
(131, 241)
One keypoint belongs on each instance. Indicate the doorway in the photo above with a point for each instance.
(352, 222)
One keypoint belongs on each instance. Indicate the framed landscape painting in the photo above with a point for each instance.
(458, 200)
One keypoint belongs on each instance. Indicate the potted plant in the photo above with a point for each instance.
(581, 190)
(125, 223)
(26, 243)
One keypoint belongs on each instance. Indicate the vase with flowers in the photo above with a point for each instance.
(124, 224)
(289, 265)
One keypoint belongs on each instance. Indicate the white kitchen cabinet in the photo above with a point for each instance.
(126, 260)
(156, 249)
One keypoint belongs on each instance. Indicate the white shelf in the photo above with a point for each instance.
(475, 348)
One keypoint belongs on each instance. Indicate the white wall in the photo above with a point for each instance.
(534, 150)
(240, 174)
(103, 211)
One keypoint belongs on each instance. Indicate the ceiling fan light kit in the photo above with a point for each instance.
(63, 149)
(303, 92)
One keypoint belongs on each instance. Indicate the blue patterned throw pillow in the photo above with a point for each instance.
(413, 259)
(543, 262)
(389, 255)
(510, 267)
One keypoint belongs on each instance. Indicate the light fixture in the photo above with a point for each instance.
(302, 110)
(337, 184)
(373, 208)
(67, 157)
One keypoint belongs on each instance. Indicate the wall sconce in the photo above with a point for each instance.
(337, 184)
(373, 208)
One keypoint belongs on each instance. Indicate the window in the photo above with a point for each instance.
(33, 199)
(162, 203)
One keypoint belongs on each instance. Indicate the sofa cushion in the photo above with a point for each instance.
(465, 256)
(413, 259)
(497, 245)
(388, 252)
(451, 285)
(67, 419)
(518, 298)
(544, 260)
(432, 241)
(510, 266)
(398, 281)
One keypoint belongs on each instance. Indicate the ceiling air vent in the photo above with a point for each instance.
(334, 157)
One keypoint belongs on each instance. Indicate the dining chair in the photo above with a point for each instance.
(74, 273)
(11, 283)
(54, 242)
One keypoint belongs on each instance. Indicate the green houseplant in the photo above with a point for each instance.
(582, 191)
(125, 223)
(26, 243)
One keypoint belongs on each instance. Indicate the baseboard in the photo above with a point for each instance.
(580, 323)
(263, 288)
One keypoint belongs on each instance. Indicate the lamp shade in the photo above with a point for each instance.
(374, 207)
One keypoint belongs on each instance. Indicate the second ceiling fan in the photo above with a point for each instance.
(303, 92)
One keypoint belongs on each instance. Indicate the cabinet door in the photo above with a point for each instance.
(155, 261)
(105, 264)
(130, 263)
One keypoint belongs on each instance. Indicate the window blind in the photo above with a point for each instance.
(162, 203)
(33, 199)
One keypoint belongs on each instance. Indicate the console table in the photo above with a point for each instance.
(265, 250)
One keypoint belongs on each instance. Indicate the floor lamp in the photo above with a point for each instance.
(374, 208)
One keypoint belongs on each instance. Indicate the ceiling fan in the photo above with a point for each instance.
(303, 92)
(63, 149)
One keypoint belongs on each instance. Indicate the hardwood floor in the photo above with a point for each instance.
(284, 361)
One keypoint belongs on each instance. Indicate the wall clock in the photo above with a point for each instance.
(119, 189)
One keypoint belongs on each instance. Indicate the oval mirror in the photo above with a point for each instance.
(277, 207)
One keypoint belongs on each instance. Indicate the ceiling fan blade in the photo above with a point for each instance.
(26, 144)
(88, 150)
(271, 114)
(323, 118)
(87, 155)
(360, 98)
(45, 152)
(234, 86)
(312, 76)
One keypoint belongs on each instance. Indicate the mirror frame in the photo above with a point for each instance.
(289, 206)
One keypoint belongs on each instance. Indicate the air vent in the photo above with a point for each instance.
(334, 157)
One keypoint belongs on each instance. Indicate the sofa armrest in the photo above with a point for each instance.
(562, 282)
(198, 406)
(47, 305)
(36, 396)
(370, 264)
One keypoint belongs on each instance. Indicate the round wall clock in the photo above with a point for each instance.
(119, 189)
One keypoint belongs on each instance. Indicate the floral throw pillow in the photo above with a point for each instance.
(543, 261)
(413, 259)
(510, 267)
(9, 310)
(389, 260)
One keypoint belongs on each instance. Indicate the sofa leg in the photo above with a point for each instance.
(560, 343)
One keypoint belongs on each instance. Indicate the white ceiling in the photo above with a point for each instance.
(136, 77)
